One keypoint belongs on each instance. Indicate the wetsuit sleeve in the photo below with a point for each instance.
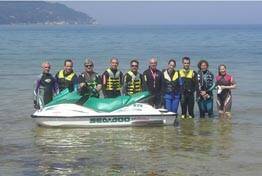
(105, 77)
(36, 88)
(56, 76)
(161, 82)
(81, 79)
(75, 82)
(144, 79)
(98, 79)
(121, 79)
(195, 81)
(144, 82)
(126, 80)
(181, 85)
(56, 88)
(213, 85)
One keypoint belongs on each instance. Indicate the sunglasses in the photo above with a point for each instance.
(134, 65)
(88, 65)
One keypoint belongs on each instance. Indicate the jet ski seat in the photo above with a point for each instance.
(111, 104)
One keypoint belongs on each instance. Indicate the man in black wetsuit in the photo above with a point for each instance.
(153, 80)
(189, 85)
(45, 87)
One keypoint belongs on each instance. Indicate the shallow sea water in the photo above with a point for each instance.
(195, 147)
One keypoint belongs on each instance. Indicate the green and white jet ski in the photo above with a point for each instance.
(122, 111)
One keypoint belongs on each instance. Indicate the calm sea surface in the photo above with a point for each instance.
(195, 147)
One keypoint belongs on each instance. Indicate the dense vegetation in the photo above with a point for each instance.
(40, 13)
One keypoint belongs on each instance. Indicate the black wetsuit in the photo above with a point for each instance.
(189, 85)
(46, 87)
(205, 83)
(154, 81)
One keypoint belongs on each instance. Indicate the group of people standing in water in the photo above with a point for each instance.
(169, 87)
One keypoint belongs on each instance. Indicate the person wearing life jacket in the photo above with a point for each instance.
(67, 78)
(204, 92)
(89, 82)
(112, 80)
(224, 83)
(189, 85)
(133, 80)
(171, 87)
(45, 87)
(153, 82)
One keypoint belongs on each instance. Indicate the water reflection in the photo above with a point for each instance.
(134, 151)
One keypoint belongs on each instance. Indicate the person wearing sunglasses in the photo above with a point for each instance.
(89, 81)
(45, 87)
(153, 80)
(189, 85)
(112, 80)
(67, 78)
(133, 80)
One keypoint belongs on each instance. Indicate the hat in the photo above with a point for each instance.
(88, 62)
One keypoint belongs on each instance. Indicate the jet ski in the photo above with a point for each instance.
(123, 111)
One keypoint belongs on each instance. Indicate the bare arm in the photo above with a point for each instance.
(233, 86)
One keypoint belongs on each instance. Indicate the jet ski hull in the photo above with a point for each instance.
(106, 121)
(71, 115)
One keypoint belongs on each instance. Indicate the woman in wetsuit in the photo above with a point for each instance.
(204, 92)
(224, 83)
(171, 87)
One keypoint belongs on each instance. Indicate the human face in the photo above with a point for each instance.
(222, 70)
(89, 68)
(46, 68)
(114, 64)
(134, 67)
(68, 67)
(153, 64)
(186, 64)
(171, 66)
(203, 66)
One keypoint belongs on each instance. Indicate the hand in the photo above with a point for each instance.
(82, 84)
(36, 106)
(206, 96)
(203, 93)
(98, 87)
